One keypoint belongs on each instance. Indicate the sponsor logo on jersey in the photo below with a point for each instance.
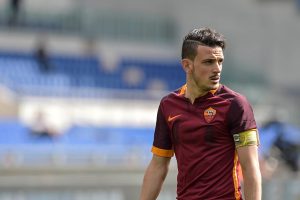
(172, 118)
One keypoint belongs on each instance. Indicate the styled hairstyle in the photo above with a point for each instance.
(202, 36)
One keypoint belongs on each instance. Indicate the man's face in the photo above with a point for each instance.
(206, 68)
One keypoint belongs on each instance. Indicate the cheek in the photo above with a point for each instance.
(202, 72)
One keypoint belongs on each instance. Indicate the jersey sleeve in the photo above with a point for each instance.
(240, 116)
(162, 144)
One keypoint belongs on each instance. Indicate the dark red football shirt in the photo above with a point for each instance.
(201, 136)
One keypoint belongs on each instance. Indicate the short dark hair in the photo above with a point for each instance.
(202, 36)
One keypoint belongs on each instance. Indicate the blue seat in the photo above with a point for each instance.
(20, 71)
(13, 132)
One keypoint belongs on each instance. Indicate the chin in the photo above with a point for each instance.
(215, 86)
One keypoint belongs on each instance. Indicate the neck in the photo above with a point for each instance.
(194, 92)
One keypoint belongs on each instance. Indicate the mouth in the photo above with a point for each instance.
(214, 79)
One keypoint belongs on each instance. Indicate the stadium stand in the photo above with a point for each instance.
(21, 73)
(77, 146)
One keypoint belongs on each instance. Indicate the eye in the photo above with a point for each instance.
(209, 61)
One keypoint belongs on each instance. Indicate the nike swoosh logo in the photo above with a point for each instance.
(172, 118)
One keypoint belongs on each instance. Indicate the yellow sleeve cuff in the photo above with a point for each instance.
(162, 152)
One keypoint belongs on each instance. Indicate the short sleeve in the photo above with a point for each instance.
(240, 116)
(162, 144)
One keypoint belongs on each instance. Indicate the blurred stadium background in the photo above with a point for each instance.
(94, 72)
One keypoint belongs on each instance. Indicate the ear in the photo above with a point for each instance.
(187, 65)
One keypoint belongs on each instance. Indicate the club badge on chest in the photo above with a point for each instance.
(209, 114)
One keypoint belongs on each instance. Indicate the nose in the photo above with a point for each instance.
(218, 67)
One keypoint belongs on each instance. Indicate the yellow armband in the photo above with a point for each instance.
(246, 138)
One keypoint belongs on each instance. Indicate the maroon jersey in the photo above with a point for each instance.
(201, 136)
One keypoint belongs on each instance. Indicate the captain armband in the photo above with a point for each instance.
(246, 138)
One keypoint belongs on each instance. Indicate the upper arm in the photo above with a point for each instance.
(246, 144)
(240, 116)
(243, 127)
(154, 177)
(248, 156)
(160, 162)
(158, 167)
(162, 144)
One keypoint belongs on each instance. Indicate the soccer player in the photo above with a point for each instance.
(210, 128)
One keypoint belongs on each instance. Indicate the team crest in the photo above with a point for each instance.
(209, 114)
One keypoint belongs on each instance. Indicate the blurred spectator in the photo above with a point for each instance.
(279, 142)
(40, 127)
(15, 7)
(41, 56)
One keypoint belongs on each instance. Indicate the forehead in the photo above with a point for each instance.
(207, 52)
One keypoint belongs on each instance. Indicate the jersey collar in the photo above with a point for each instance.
(182, 90)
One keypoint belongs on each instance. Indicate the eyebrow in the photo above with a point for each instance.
(210, 59)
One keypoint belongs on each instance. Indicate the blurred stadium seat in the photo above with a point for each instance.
(20, 72)
(81, 143)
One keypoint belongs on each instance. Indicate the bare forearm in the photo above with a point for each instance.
(248, 156)
(252, 185)
(152, 184)
(154, 178)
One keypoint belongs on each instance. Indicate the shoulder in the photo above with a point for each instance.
(232, 96)
(240, 115)
(172, 96)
